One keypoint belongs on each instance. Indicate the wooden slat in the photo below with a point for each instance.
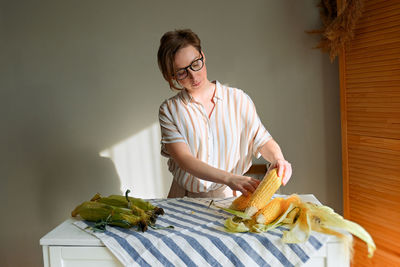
(374, 41)
(373, 221)
(370, 112)
(371, 142)
(394, 84)
(377, 4)
(372, 108)
(377, 227)
(365, 79)
(371, 88)
(358, 120)
(374, 4)
(374, 132)
(376, 157)
(388, 173)
(388, 104)
(372, 197)
(366, 24)
(380, 258)
(375, 224)
(392, 54)
(354, 115)
(384, 17)
(378, 29)
(392, 72)
(378, 12)
(386, 129)
(366, 169)
(373, 52)
(370, 181)
(375, 68)
(374, 8)
(373, 95)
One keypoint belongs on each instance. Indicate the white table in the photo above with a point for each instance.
(69, 246)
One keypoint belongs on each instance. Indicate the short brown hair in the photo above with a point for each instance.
(170, 43)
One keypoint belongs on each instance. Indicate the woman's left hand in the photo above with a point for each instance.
(283, 168)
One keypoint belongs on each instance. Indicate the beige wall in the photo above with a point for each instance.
(78, 77)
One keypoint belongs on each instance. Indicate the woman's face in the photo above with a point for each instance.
(185, 57)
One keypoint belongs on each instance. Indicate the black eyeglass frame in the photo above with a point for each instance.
(190, 67)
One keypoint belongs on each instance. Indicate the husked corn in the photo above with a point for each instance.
(271, 211)
(265, 190)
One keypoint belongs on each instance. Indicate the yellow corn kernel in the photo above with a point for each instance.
(240, 203)
(271, 211)
(265, 190)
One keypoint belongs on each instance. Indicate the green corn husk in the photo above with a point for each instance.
(92, 211)
(323, 219)
(118, 210)
(113, 202)
(128, 220)
(239, 214)
(95, 211)
(302, 218)
(137, 204)
(120, 201)
(235, 227)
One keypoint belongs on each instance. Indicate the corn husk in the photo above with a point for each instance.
(304, 217)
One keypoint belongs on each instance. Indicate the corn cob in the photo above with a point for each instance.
(265, 190)
(96, 211)
(302, 218)
(138, 202)
(149, 210)
(92, 211)
(149, 216)
(271, 211)
(240, 203)
(113, 202)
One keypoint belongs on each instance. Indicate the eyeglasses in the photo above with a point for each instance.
(194, 66)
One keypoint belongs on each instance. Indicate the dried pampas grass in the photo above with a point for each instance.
(338, 25)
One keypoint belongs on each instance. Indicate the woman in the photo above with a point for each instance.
(209, 131)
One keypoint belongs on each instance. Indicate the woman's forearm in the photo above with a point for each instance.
(271, 151)
(186, 161)
(194, 166)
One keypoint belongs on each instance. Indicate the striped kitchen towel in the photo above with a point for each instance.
(199, 239)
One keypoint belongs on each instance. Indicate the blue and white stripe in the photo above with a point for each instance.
(199, 239)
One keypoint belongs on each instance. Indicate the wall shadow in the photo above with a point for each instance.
(73, 178)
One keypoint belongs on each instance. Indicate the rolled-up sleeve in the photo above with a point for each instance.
(169, 130)
(257, 133)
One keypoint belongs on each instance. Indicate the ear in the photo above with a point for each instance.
(204, 56)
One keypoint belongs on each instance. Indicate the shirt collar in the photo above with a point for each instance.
(218, 90)
(187, 98)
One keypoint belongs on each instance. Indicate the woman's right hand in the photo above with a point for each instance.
(244, 184)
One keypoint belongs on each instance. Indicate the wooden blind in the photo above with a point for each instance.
(370, 110)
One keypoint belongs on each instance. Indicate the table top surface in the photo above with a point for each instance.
(67, 234)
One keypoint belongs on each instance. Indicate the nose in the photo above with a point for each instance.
(191, 73)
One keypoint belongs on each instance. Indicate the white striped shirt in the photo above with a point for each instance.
(227, 140)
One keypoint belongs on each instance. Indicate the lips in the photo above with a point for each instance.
(195, 84)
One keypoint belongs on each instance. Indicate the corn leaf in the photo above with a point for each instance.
(235, 227)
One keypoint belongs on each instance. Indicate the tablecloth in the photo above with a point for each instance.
(199, 239)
